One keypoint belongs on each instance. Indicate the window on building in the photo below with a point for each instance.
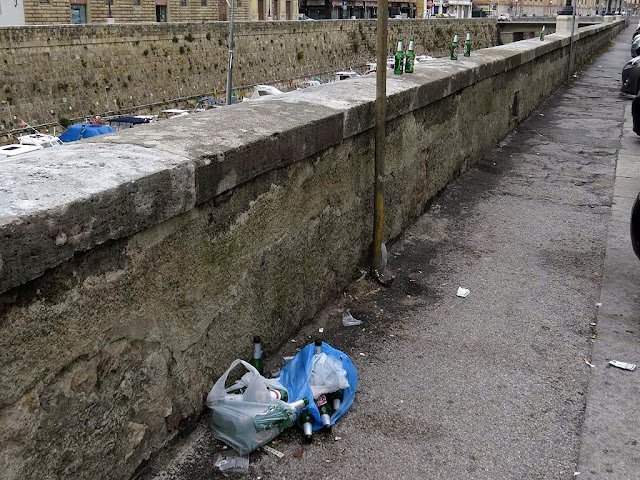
(136, 2)
(108, 2)
(203, 3)
(45, 1)
(183, 3)
(78, 14)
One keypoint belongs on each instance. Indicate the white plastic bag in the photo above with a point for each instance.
(327, 375)
(236, 421)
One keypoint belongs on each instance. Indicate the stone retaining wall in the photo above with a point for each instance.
(135, 267)
(73, 71)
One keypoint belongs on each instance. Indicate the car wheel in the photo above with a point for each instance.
(635, 226)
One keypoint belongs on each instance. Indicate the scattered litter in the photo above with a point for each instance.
(363, 275)
(575, 75)
(372, 292)
(294, 341)
(541, 114)
(623, 365)
(337, 438)
(575, 474)
(593, 324)
(362, 354)
(298, 453)
(321, 330)
(391, 335)
(586, 360)
(273, 451)
(597, 274)
(287, 358)
(599, 304)
(349, 321)
(463, 292)
(232, 463)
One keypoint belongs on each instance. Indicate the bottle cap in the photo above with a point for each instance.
(257, 339)
(318, 343)
(305, 400)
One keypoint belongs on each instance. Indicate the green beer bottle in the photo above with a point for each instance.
(336, 399)
(256, 360)
(411, 57)
(307, 425)
(279, 416)
(399, 65)
(279, 394)
(454, 47)
(467, 45)
(325, 412)
(542, 32)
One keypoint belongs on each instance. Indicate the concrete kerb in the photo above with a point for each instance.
(251, 139)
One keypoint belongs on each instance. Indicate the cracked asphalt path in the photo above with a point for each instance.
(492, 386)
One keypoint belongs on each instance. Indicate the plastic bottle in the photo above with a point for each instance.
(454, 47)
(318, 347)
(399, 59)
(256, 360)
(411, 57)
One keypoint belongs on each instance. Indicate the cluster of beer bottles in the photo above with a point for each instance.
(327, 404)
(455, 46)
(404, 63)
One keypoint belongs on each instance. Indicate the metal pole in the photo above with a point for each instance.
(608, 8)
(230, 66)
(573, 26)
(380, 133)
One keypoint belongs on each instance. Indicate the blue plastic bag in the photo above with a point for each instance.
(295, 378)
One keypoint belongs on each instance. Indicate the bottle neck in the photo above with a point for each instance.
(318, 350)
(455, 39)
(468, 36)
(411, 46)
(400, 46)
(257, 350)
(298, 404)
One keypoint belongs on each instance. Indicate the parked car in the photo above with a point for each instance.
(635, 46)
(504, 16)
(631, 77)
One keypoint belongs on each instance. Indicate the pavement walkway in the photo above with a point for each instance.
(492, 386)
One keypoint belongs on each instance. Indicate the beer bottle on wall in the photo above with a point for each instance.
(542, 32)
(399, 64)
(454, 47)
(467, 45)
(411, 57)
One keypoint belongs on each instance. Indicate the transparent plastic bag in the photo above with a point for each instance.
(231, 463)
(327, 375)
(252, 420)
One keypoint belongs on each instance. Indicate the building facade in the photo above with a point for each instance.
(541, 8)
(345, 9)
(53, 12)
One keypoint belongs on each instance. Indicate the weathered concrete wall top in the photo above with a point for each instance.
(134, 267)
(73, 198)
